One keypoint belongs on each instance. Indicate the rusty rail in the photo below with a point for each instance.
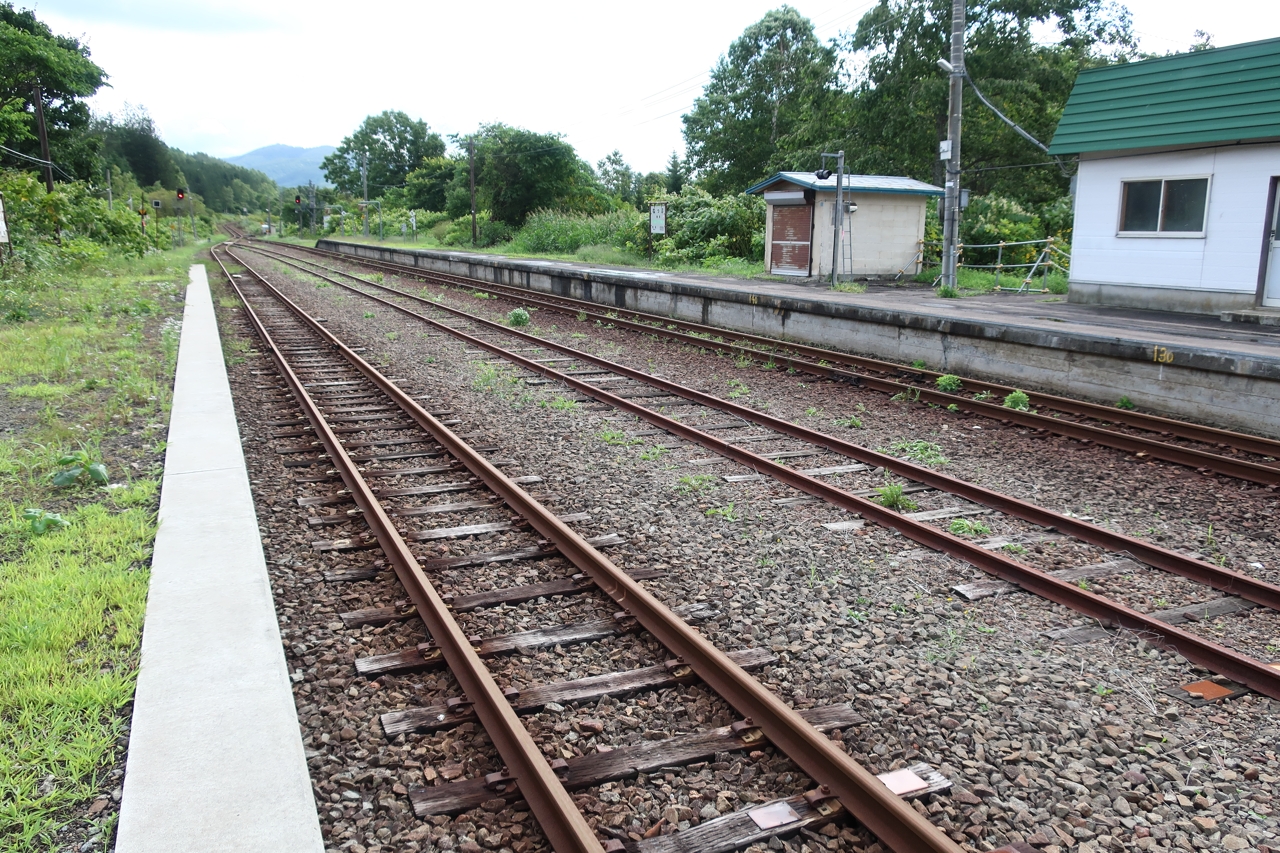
(564, 825)
(1242, 668)
(866, 798)
(696, 334)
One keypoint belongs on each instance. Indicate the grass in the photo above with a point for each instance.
(894, 496)
(849, 287)
(972, 282)
(696, 483)
(968, 527)
(924, 452)
(87, 369)
(617, 438)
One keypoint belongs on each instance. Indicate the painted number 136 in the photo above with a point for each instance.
(1161, 355)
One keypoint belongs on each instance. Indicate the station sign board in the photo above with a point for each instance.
(658, 218)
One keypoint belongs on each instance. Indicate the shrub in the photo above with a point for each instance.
(518, 317)
(894, 496)
(950, 383)
(1018, 400)
(992, 218)
(552, 232)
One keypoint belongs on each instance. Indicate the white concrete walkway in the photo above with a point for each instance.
(215, 756)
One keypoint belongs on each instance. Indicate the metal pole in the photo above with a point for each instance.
(311, 200)
(110, 204)
(364, 180)
(44, 139)
(191, 212)
(835, 244)
(471, 156)
(951, 224)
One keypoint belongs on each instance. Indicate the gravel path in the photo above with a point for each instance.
(974, 688)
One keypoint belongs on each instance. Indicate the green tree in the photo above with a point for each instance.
(394, 144)
(647, 187)
(616, 176)
(519, 171)
(897, 111)
(30, 53)
(676, 174)
(776, 80)
(425, 188)
(131, 142)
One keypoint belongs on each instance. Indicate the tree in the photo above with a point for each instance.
(648, 187)
(394, 144)
(29, 54)
(775, 80)
(897, 112)
(426, 186)
(616, 176)
(676, 175)
(130, 141)
(519, 171)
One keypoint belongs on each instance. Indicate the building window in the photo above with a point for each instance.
(1168, 205)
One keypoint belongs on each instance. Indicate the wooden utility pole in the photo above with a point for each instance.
(44, 139)
(951, 223)
(471, 156)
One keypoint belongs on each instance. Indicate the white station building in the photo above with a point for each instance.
(1176, 197)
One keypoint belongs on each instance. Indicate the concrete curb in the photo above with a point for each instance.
(215, 755)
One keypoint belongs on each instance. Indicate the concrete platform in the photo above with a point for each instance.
(215, 756)
(1183, 365)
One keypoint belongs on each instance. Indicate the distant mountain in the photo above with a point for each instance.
(287, 165)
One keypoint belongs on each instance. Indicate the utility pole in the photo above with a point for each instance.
(110, 206)
(471, 156)
(191, 211)
(44, 139)
(364, 180)
(311, 197)
(950, 153)
(839, 217)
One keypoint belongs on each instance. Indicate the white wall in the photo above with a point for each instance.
(1223, 261)
(885, 231)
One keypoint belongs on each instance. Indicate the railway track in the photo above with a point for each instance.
(374, 463)
(1121, 554)
(1206, 449)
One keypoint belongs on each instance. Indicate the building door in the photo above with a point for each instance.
(792, 235)
(1271, 290)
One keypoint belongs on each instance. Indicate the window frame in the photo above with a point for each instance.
(1164, 180)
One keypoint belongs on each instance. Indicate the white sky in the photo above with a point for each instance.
(231, 76)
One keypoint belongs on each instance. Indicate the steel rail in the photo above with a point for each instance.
(1242, 668)
(866, 798)
(1225, 580)
(564, 825)
(657, 324)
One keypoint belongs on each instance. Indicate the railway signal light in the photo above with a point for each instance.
(822, 174)
(297, 199)
(182, 194)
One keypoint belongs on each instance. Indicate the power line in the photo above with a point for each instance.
(38, 161)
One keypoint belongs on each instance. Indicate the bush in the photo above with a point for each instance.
(518, 317)
(488, 232)
(556, 233)
(703, 228)
(992, 219)
(71, 216)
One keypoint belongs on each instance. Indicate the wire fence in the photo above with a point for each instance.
(1050, 257)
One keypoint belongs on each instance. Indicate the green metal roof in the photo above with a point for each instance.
(1225, 94)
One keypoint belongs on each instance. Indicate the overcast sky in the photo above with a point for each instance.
(231, 76)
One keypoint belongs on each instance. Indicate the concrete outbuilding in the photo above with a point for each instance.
(880, 237)
(1176, 198)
